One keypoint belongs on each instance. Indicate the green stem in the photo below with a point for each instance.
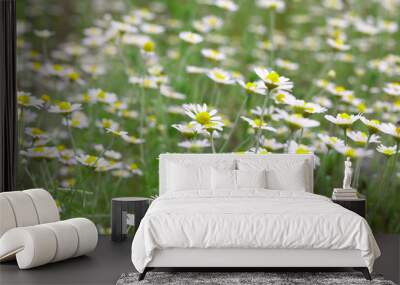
(258, 133)
(212, 143)
(271, 37)
(235, 123)
(359, 163)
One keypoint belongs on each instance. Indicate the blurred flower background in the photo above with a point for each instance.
(106, 86)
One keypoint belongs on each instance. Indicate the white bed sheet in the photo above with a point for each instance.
(250, 218)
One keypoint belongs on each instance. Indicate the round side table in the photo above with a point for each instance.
(120, 208)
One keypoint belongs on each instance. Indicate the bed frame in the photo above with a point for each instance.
(249, 258)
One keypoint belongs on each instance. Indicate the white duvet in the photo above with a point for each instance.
(250, 219)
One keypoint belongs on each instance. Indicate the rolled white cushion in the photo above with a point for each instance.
(45, 205)
(67, 240)
(23, 208)
(33, 246)
(87, 235)
(7, 218)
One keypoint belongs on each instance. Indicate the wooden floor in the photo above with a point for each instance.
(110, 260)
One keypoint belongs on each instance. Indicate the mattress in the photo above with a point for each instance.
(250, 219)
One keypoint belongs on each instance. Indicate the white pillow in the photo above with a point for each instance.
(188, 177)
(251, 178)
(282, 174)
(223, 179)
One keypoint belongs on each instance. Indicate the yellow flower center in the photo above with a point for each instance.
(73, 76)
(149, 46)
(398, 131)
(75, 123)
(280, 98)
(388, 151)
(101, 95)
(302, 150)
(273, 77)
(219, 75)
(106, 124)
(350, 152)
(362, 108)
(339, 89)
(251, 85)
(375, 122)
(64, 106)
(37, 131)
(45, 98)
(258, 123)
(344, 116)
(91, 159)
(58, 67)
(133, 166)
(38, 149)
(203, 118)
(333, 140)
(23, 99)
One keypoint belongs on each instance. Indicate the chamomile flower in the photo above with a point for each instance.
(303, 107)
(390, 129)
(296, 148)
(273, 80)
(254, 150)
(194, 144)
(134, 168)
(67, 156)
(27, 100)
(191, 37)
(257, 123)
(112, 154)
(257, 87)
(188, 130)
(208, 120)
(277, 5)
(168, 92)
(286, 64)
(338, 44)
(107, 124)
(224, 4)
(91, 160)
(36, 133)
(44, 34)
(121, 173)
(132, 139)
(117, 133)
(271, 144)
(154, 29)
(41, 152)
(282, 97)
(64, 107)
(102, 96)
(213, 54)
(386, 150)
(331, 141)
(351, 152)
(78, 120)
(392, 88)
(221, 76)
(361, 138)
(342, 120)
(296, 121)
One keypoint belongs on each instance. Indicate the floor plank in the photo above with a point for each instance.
(110, 260)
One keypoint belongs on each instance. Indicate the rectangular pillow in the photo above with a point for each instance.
(223, 179)
(251, 178)
(188, 177)
(282, 174)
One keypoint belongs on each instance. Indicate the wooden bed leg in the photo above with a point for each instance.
(143, 274)
(364, 271)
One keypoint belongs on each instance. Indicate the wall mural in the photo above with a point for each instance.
(106, 86)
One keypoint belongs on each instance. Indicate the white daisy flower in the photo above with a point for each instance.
(134, 168)
(361, 137)
(213, 54)
(196, 69)
(41, 152)
(113, 154)
(123, 27)
(257, 87)
(91, 160)
(296, 148)
(342, 120)
(107, 124)
(221, 76)
(286, 64)
(153, 29)
(117, 133)
(331, 142)
(282, 97)
(132, 139)
(277, 5)
(44, 34)
(390, 129)
(188, 130)
(102, 96)
(392, 88)
(224, 4)
(64, 107)
(36, 133)
(67, 156)
(148, 82)
(208, 120)
(273, 80)
(194, 144)
(301, 107)
(168, 92)
(27, 100)
(338, 44)
(121, 173)
(296, 121)
(257, 123)
(271, 144)
(387, 150)
(78, 120)
(191, 37)
(351, 152)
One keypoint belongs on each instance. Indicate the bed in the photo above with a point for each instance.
(245, 210)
